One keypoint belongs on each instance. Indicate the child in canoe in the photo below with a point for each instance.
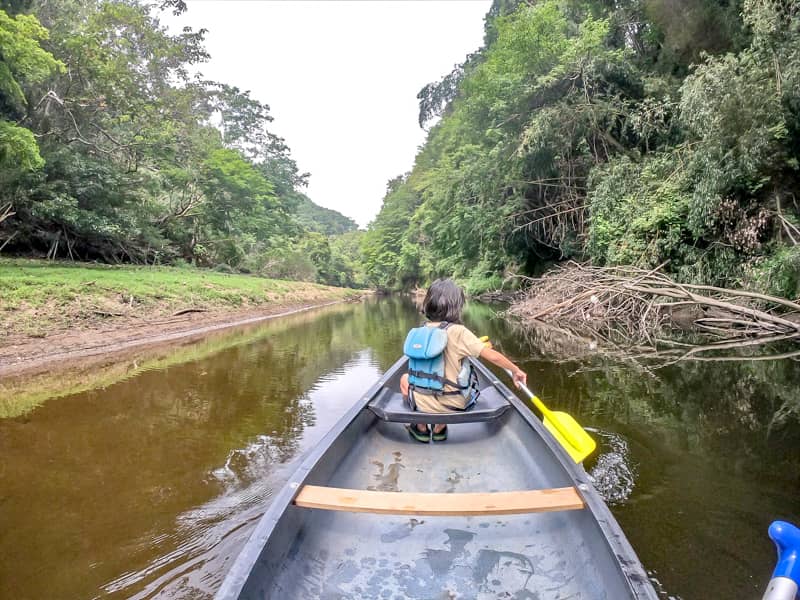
(443, 305)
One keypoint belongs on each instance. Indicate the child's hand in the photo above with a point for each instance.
(520, 377)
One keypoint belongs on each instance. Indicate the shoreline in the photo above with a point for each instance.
(55, 315)
(34, 355)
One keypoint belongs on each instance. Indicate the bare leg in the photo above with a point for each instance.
(421, 427)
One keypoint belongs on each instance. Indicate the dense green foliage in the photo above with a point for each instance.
(113, 148)
(630, 132)
(323, 220)
(23, 62)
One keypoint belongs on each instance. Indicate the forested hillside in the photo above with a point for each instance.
(323, 220)
(114, 148)
(641, 132)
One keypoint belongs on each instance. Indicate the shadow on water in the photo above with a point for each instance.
(148, 484)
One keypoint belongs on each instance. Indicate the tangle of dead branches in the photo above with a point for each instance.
(636, 313)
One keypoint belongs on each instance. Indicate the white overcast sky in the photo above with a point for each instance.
(341, 79)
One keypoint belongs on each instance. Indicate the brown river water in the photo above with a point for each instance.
(145, 481)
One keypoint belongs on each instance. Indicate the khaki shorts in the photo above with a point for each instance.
(438, 404)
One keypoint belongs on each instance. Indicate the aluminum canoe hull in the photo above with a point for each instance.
(297, 552)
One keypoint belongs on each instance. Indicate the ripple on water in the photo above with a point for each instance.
(245, 464)
(193, 559)
(614, 475)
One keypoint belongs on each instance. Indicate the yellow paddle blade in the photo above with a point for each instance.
(572, 437)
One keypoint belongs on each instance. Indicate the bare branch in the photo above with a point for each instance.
(627, 310)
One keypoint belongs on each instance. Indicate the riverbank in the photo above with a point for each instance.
(61, 312)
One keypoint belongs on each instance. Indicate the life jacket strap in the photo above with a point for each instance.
(435, 377)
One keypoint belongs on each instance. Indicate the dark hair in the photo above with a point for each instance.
(444, 301)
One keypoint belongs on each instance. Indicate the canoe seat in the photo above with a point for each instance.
(433, 504)
(389, 405)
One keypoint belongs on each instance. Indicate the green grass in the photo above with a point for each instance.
(37, 296)
(37, 282)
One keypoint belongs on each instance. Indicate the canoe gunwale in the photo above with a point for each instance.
(618, 546)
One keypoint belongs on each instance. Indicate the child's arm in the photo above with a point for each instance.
(494, 357)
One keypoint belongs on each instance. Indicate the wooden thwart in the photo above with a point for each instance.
(406, 503)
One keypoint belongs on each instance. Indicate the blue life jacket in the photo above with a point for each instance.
(425, 348)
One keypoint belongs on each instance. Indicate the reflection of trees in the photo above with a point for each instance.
(149, 442)
(748, 409)
(385, 324)
(743, 409)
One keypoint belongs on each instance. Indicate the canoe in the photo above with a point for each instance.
(499, 510)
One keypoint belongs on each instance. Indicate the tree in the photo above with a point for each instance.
(322, 220)
(22, 62)
(142, 160)
(581, 130)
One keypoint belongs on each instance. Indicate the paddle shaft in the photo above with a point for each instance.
(533, 397)
(547, 414)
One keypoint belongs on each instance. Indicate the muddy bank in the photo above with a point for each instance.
(63, 349)
(54, 311)
(29, 383)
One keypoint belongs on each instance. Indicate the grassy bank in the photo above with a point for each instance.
(21, 394)
(40, 297)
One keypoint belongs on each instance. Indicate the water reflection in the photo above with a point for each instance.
(712, 449)
(103, 486)
(213, 534)
(149, 486)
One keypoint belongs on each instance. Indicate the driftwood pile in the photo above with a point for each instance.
(635, 312)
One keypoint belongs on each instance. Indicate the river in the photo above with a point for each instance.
(148, 485)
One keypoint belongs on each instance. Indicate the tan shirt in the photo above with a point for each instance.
(461, 343)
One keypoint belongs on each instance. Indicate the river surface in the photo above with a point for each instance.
(149, 486)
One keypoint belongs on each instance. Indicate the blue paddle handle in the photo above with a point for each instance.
(786, 576)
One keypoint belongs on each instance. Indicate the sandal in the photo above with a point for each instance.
(441, 436)
(423, 437)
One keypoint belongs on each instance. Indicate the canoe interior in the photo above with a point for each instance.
(326, 554)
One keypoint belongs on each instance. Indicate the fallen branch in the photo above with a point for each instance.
(8, 239)
(6, 212)
(757, 315)
(184, 311)
(625, 309)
